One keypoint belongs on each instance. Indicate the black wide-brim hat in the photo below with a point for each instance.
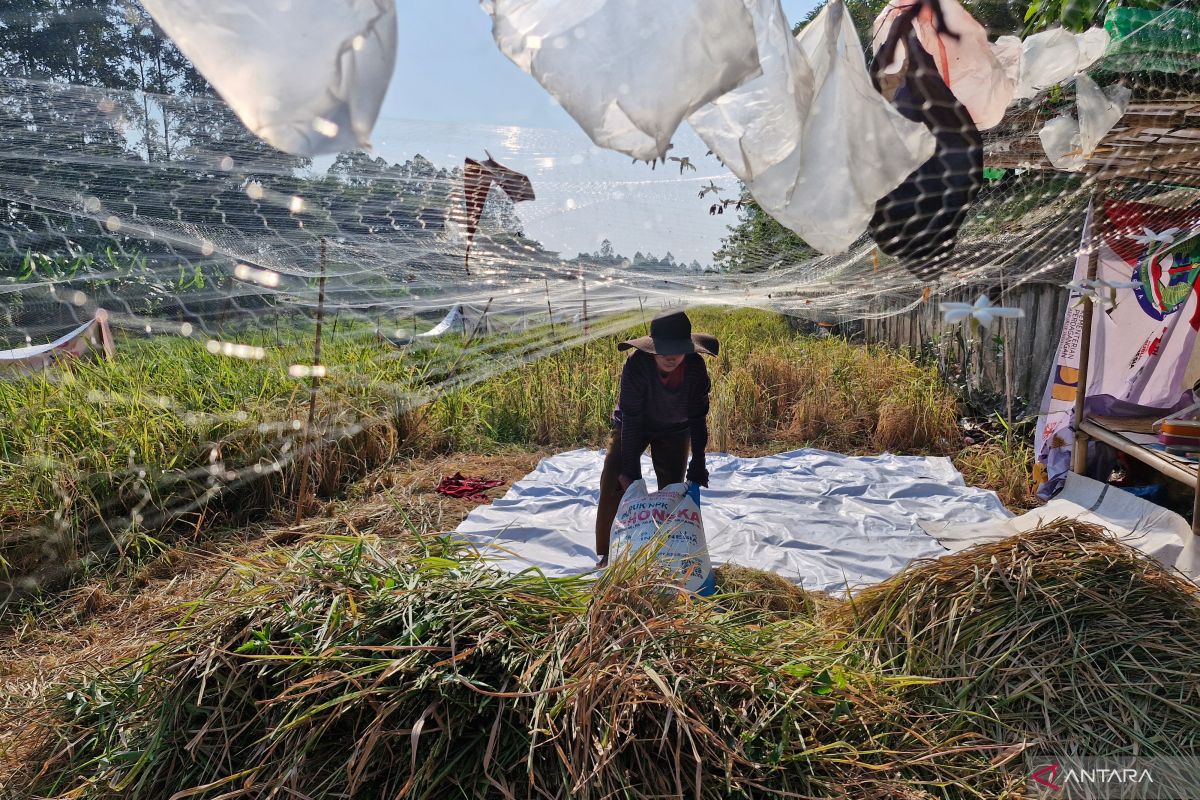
(671, 335)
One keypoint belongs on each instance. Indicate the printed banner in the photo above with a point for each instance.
(1143, 330)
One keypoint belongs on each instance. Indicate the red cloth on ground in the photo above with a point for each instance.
(467, 488)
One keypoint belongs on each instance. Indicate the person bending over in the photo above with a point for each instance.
(662, 403)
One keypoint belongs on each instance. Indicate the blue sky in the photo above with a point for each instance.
(454, 94)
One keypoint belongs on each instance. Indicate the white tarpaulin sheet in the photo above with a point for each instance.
(822, 520)
(93, 333)
(1161, 534)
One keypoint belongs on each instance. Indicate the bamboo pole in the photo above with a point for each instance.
(1008, 371)
(313, 387)
(585, 318)
(1079, 448)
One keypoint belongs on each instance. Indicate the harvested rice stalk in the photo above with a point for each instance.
(749, 590)
(1061, 634)
(340, 673)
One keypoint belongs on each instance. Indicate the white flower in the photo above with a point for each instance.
(982, 312)
(1149, 237)
(1101, 291)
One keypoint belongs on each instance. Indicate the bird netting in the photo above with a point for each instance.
(130, 192)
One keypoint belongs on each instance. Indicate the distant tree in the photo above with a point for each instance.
(606, 249)
(757, 241)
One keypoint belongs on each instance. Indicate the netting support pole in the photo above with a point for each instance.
(1007, 326)
(1079, 447)
(313, 386)
(549, 310)
(583, 285)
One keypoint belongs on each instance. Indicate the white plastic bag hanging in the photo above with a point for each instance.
(670, 520)
(1051, 57)
(306, 76)
(758, 126)
(813, 141)
(629, 71)
(1069, 143)
(968, 65)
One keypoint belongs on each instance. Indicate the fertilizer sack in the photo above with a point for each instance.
(670, 520)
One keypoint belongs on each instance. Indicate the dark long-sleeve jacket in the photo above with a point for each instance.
(647, 409)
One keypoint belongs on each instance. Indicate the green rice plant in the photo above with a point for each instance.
(340, 672)
(1061, 636)
(1002, 462)
(101, 449)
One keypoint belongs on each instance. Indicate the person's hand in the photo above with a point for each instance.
(625, 482)
(697, 473)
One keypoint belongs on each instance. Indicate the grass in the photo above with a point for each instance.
(341, 672)
(119, 456)
(1001, 461)
(771, 387)
(108, 446)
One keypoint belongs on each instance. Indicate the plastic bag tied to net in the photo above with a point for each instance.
(918, 221)
(307, 76)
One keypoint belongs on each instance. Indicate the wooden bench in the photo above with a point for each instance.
(1135, 436)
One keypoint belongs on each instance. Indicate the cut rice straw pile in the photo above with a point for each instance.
(339, 672)
(1061, 636)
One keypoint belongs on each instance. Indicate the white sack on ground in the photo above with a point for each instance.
(629, 71)
(1051, 57)
(967, 64)
(1161, 534)
(819, 519)
(1069, 143)
(306, 76)
(800, 135)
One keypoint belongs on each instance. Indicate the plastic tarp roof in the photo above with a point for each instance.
(822, 520)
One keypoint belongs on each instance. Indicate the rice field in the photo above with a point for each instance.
(362, 654)
(120, 457)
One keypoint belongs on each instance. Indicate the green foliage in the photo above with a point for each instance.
(758, 242)
(118, 444)
(1078, 15)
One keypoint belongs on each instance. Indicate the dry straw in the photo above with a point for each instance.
(1060, 636)
(340, 673)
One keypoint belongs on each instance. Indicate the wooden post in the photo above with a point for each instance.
(1008, 326)
(585, 319)
(1079, 448)
(313, 386)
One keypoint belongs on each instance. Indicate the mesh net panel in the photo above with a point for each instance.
(210, 254)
